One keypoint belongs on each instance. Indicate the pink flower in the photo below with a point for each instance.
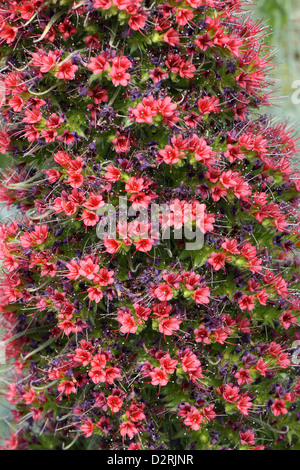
(8, 33)
(217, 260)
(104, 277)
(97, 375)
(168, 364)
(244, 404)
(82, 356)
(208, 412)
(119, 76)
(98, 64)
(128, 323)
(90, 219)
(74, 270)
(247, 438)
(279, 407)
(157, 75)
(94, 202)
(104, 4)
(115, 403)
(247, 302)
(67, 70)
(67, 387)
(46, 61)
(158, 377)
(29, 396)
(243, 376)
(229, 392)
(112, 174)
(201, 295)
(87, 428)
(98, 361)
(204, 42)
(135, 412)
(194, 419)
(167, 326)
(16, 103)
(94, 293)
(166, 107)
(170, 155)
(67, 326)
(32, 116)
(184, 16)
(138, 21)
(112, 374)
(172, 37)
(163, 292)
(202, 335)
(144, 244)
(261, 366)
(208, 105)
(88, 269)
(287, 319)
(4, 141)
(128, 429)
(111, 245)
(143, 113)
(134, 185)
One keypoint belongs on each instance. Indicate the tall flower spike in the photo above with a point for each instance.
(141, 326)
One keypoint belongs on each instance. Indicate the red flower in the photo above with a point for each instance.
(144, 244)
(98, 64)
(247, 438)
(87, 428)
(261, 366)
(163, 292)
(201, 295)
(243, 376)
(143, 113)
(247, 302)
(204, 42)
(128, 429)
(8, 33)
(184, 16)
(287, 319)
(115, 403)
(194, 419)
(167, 326)
(105, 4)
(112, 174)
(217, 260)
(88, 269)
(128, 323)
(67, 387)
(89, 218)
(94, 293)
(244, 404)
(172, 37)
(209, 105)
(111, 245)
(119, 76)
(158, 377)
(67, 70)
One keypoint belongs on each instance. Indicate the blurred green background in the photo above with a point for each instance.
(283, 17)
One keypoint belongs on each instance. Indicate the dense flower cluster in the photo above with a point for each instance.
(134, 341)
